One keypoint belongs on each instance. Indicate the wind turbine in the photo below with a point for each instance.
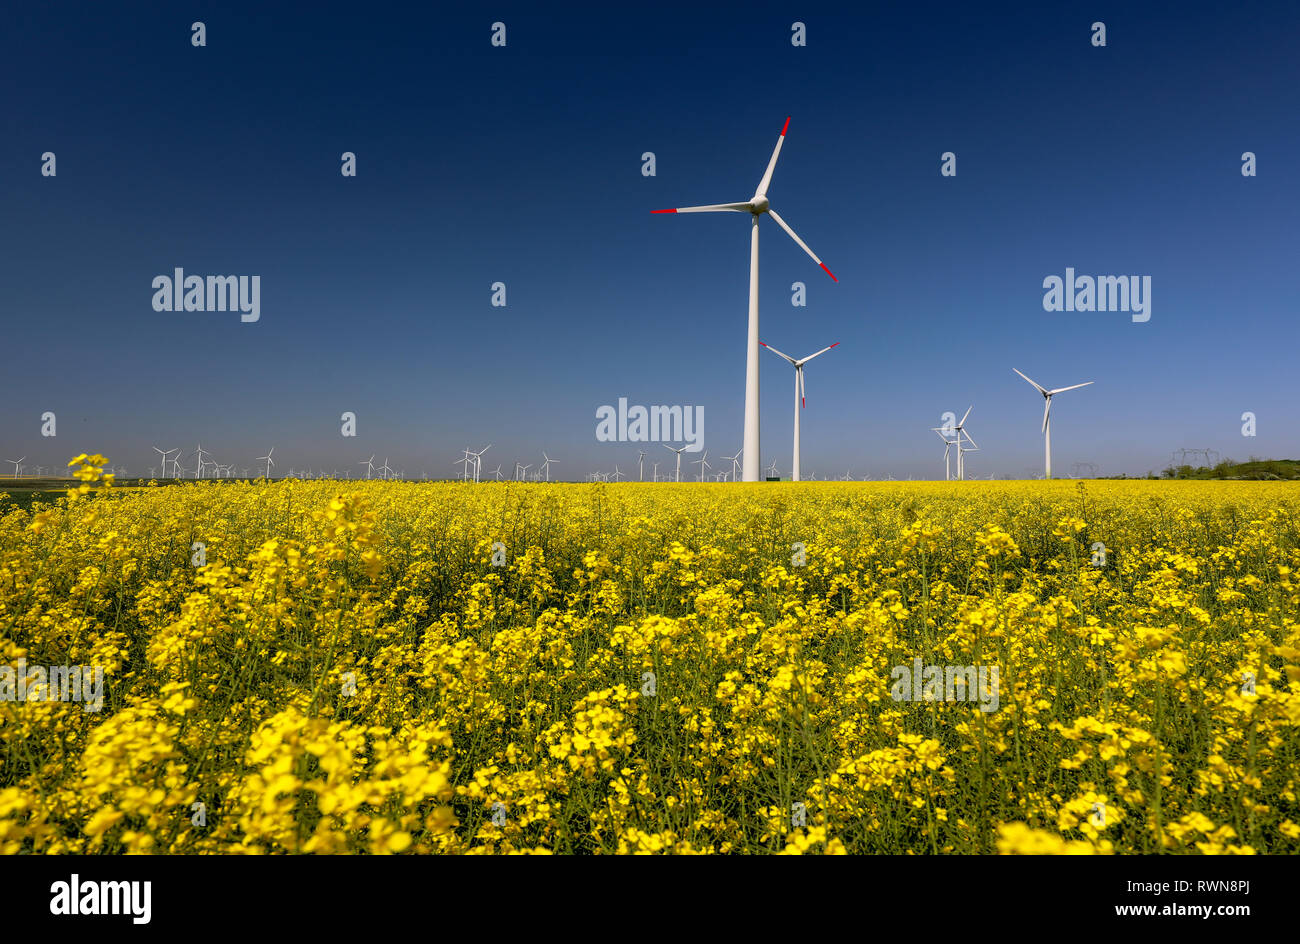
(385, 469)
(546, 466)
(679, 452)
(960, 429)
(771, 470)
(369, 464)
(735, 465)
(478, 459)
(947, 448)
(268, 460)
(497, 472)
(522, 474)
(617, 474)
(756, 206)
(200, 452)
(703, 463)
(164, 455)
(656, 471)
(17, 465)
(1047, 412)
(800, 401)
(640, 464)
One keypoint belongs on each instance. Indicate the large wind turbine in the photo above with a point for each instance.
(800, 401)
(1047, 414)
(756, 206)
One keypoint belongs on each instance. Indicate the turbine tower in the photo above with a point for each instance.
(800, 401)
(756, 206)
(1047, 414)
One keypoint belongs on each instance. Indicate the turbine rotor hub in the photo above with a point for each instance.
(759, 204)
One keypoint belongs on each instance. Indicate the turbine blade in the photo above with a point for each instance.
(1075, 387)
(968, 437)
(803, 397)
(771, 165)
(1047, 408)
(963, 419)
(776, 352)
(795, 236)
(1040, 389)
(710, 208)
(819, 353)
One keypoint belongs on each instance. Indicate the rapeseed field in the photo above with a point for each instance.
(393, 667)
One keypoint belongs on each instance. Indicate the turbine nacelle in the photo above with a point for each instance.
(759, 204)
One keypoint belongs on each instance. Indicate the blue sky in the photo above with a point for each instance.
(522, 165)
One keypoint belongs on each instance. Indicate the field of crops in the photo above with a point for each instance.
(399, 667)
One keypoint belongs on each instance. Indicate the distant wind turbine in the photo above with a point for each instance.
(735, 464)
(270, 463)
(800, 401)
(679, 452)
(703, 463)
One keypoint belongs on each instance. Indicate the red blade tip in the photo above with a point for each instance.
(787, 126)
(674, 211)
(828, 272)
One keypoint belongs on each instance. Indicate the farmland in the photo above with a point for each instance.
(394, 667)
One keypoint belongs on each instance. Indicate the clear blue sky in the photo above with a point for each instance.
(523, 165)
